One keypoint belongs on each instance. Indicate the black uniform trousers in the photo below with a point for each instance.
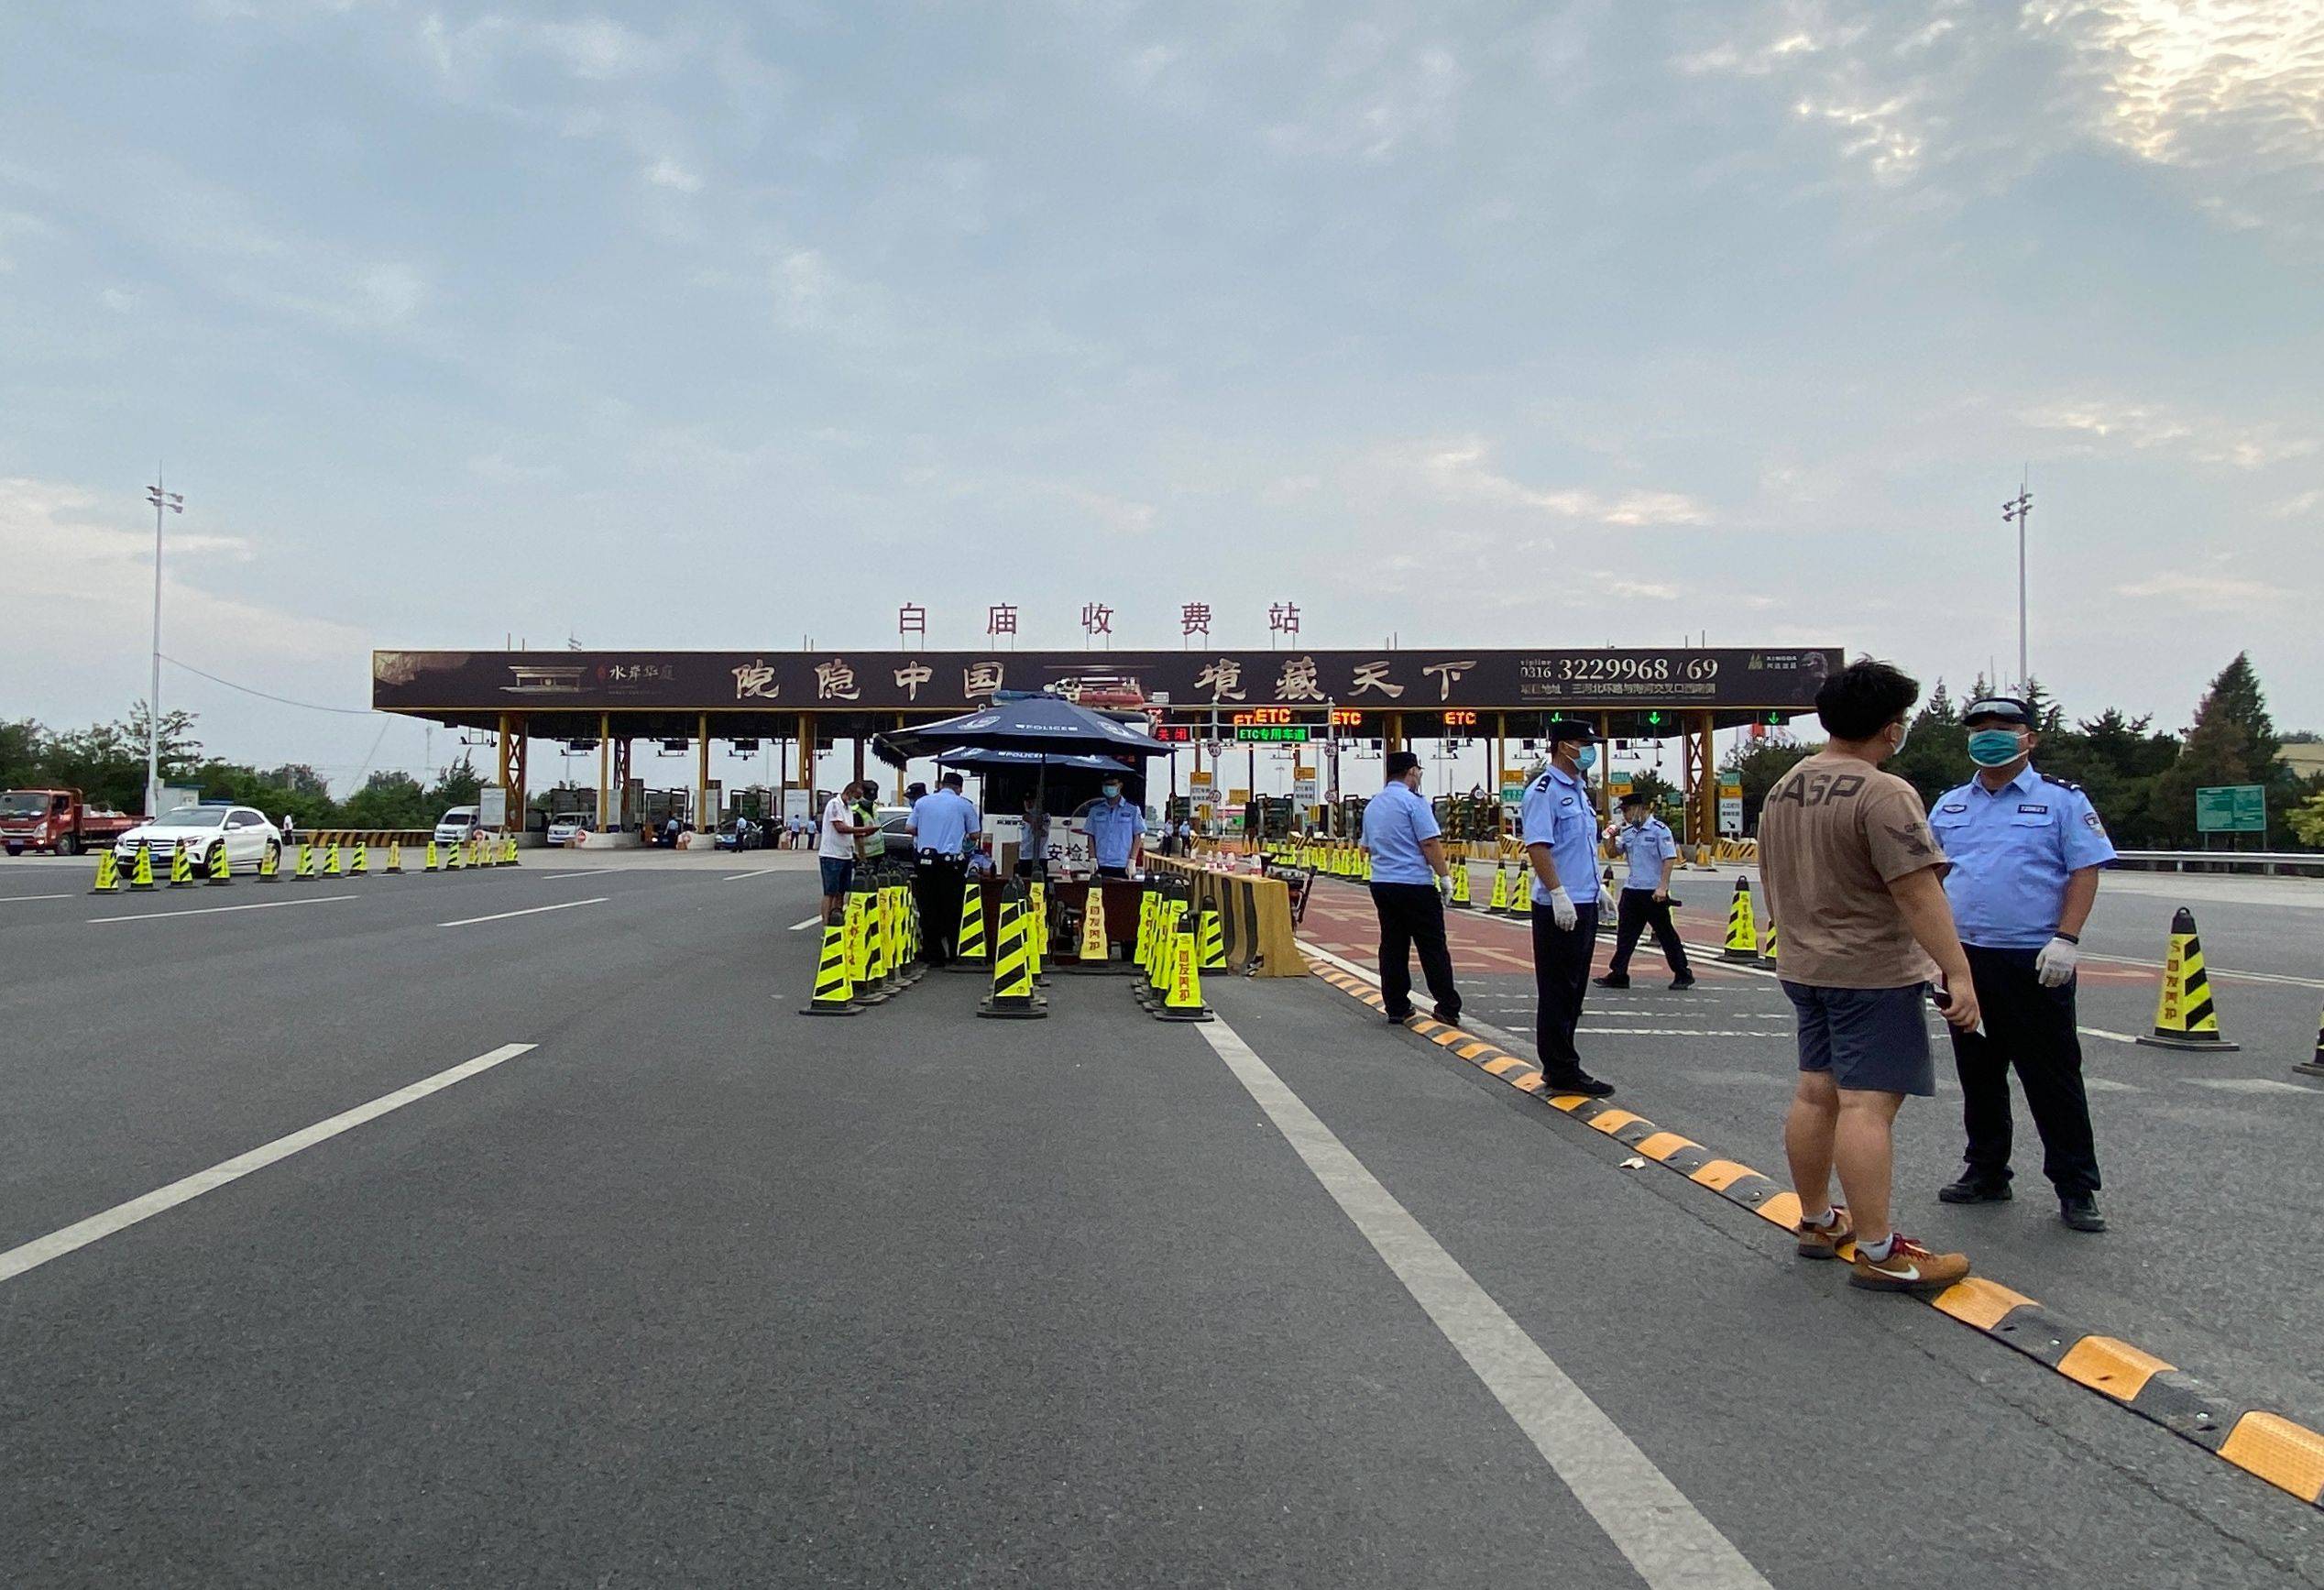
(938, 883)
(1561, 980)
(2031, 1028)
(1640, 910)
(1412, 917)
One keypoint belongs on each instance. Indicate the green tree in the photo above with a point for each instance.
(99, 761)
(456, 786)
(20, 753)
(2307, 820)
(2232, 741)
(180, 751)
(1757, 766)
(390, 800)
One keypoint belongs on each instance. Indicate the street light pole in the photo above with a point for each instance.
(2020, 509)
(168, 501)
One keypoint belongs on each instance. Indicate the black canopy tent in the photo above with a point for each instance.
(1044, 725)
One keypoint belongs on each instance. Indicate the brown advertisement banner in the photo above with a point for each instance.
(1717, 678)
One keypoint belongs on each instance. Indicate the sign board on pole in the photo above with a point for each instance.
(492, 806)
(1236, 798)
(2232, 809)
(1731, 810)
(1303, 789)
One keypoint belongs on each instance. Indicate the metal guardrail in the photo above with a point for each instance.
(2271, 863)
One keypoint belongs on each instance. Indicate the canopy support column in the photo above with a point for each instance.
(704, 820)
(605, 750)
(512, 766)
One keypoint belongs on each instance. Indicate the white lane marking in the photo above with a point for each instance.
(1678, 1033)
(1671, 1545)
(81, 1233)
(6, 898)
(2285, 978)
(813, 921)
(753, 872)
(1470, 1022)
(214, 910)
(2108, 1085)
(529, 911)
(2103, 1033)
(2249, 1085)
(576, 873)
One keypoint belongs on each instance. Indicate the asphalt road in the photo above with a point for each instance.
(695, 1290)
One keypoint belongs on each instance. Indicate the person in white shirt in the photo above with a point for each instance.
(836, 852)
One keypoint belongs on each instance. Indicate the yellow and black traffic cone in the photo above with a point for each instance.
(1095, 951)
(181, 866)
(432, 865)
(1182, 982)
(858, 921)
(476, 853)
(514, 860)
(1036, 929)
(1012, 994)
(359, 864)
(330, 859)
(270, 864)
(1210, 947)
(395, 857)
(1499, 905)
(834, 990)
(1742, 932)
(141, 873)
(1521, 894)
(304, 871)
(2315, 1068)
(1767, 945)
(108, 873)
(221, 869)
(452, 856)
(2185, 1017)
(1461, 900)
(971, 952)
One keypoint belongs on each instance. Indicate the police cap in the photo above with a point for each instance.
(2008, 708)
(1559, 728)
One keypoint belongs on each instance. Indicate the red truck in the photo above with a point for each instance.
(59, 820)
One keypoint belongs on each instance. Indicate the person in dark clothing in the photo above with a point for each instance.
(1410, 874)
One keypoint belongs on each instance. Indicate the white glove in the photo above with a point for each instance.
(2055, 964)
(1444, 885)
(1561, 911)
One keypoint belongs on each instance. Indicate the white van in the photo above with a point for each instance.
(457, 826)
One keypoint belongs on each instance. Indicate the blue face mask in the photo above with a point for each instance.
(1994, 747)
(1585, 758)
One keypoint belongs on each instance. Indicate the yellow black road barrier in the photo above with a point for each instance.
(1013, 996)
(1182, 989)
(1211, 948)
(2184, 1016)
(141, 873)
(181, 866)
(108, 873)
(331, 860)
(270, 864)
(1742, 932)
(220, 868)
(856, 924)
(969, 951)
(834, 990)
(359, 862)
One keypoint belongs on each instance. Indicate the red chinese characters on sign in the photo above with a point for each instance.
(911, 619)
(1283, 618)
(1001, 618)
(1096, 618)
(1194, 618)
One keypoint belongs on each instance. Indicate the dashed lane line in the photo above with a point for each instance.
(1650, 1519)
(753, 872)
(221, 910)
(805, 923)
(529, 911)
(4, 899)
(576, 873)
(121, 1216)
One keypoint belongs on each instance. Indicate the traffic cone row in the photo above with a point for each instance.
(218, 871)
(872, 952)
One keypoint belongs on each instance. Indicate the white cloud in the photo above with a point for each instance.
(1459, 471)
(2148, 427)
(82, 578)
(2206, 593)
(666, 172)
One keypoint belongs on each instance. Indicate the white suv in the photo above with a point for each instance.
(245, 834)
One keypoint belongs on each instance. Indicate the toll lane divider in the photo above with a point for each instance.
(2285, 1453)
(1254, 912)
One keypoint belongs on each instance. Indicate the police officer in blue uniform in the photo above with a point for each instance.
(1559, 829)
(1652, 849)
(2025, 854)
(940, 827)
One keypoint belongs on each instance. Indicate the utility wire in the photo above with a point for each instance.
(285, 700)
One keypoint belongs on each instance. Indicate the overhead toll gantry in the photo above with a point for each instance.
(804, 702)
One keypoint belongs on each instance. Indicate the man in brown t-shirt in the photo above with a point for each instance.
(1855, 880)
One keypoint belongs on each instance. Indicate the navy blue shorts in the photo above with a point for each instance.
(1873, 1040)
(838, 872)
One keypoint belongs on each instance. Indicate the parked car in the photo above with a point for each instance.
(247, 835)
(742, 834)
(458, 826)
(57, 819)
(565, 825)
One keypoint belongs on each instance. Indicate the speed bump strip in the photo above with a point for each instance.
(2288, 1455)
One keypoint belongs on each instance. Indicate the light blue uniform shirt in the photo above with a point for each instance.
(1113, 828)
(1558, 813)
(942, 822)
(2012, 849)
(1648, 845)
(1395, 822)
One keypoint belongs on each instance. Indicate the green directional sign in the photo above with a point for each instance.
(1271, 733)
(2231, 808)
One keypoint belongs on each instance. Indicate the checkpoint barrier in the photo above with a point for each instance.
(318, 855)
(1253, 913)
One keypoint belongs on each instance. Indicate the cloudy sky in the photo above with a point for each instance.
(724, 324)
